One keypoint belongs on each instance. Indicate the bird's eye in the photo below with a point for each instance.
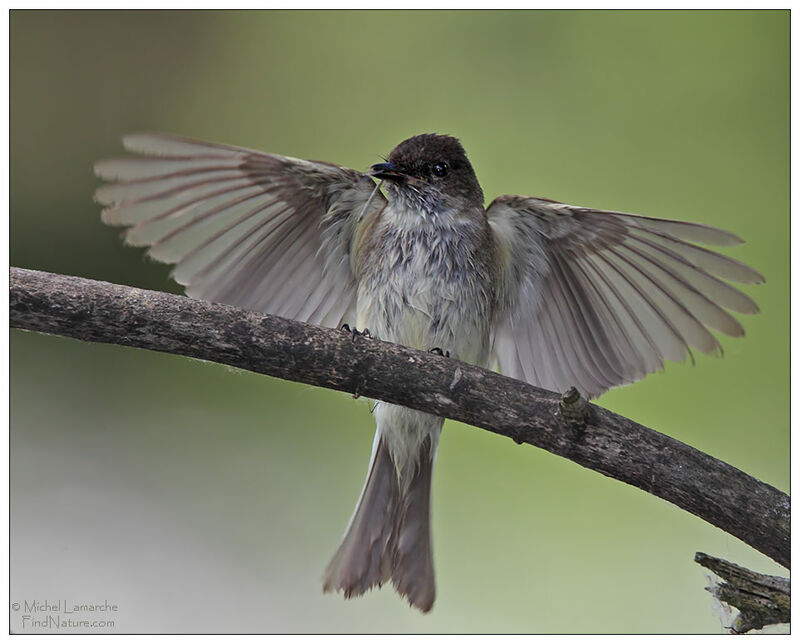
(440, 169)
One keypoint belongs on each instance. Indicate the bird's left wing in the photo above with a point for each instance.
(596, 299)
(260, 231)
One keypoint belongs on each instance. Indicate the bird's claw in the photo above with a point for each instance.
(354, 332)
(439, 352)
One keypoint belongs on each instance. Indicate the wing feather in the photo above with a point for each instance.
(259, 231)
(621, 324)
(568, 329)
(701, 274)
(596, 299)
(592, 339)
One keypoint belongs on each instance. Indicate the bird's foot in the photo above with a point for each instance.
(439, 352)
(355, 332)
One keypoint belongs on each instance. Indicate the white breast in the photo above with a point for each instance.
(424, 286)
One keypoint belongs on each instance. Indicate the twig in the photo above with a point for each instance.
(761, 599)
(724, 496)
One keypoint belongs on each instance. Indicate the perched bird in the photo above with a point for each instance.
(553, 294)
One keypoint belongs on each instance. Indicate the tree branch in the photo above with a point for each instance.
(589, 435)
(762, 600)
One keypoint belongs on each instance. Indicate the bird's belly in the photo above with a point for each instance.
(416, 307)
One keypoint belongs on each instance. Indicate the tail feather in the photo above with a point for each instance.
(362, 561)
(412, 573)
(389, 534)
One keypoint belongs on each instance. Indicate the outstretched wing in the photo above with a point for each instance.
(259, 231)
(596, 299)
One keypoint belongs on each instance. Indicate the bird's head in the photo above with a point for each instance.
(430, 173)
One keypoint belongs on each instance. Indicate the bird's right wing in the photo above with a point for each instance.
(259, 231)
(596, 299)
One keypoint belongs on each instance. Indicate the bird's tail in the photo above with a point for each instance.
(389, 535)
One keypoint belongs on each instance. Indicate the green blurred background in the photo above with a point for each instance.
(199, 498)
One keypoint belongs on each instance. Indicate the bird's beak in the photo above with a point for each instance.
(386, 171)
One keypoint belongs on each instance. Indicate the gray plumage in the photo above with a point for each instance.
(553, 294)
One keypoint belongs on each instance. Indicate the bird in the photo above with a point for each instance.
(553, 294)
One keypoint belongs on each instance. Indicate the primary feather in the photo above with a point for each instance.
(596, 299)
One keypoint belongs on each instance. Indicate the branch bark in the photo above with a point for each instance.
(762, 600)
(589, 435)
